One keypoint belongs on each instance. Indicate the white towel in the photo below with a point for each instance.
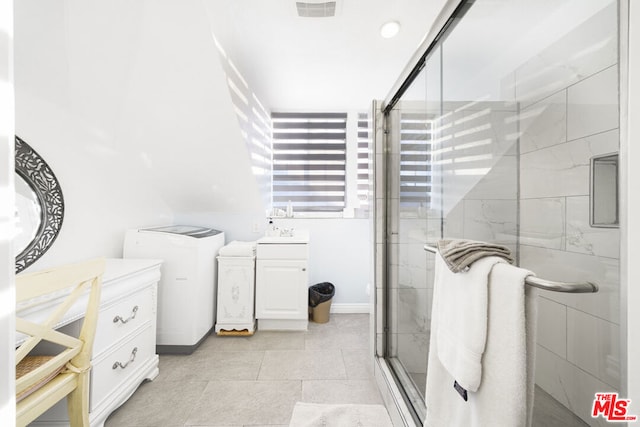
(505, 394)
(238, 248)
(462, 313)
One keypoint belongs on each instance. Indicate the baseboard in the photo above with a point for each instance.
(350, 308)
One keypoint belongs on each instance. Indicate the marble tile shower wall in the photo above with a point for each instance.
(476, 157)
(568, 96)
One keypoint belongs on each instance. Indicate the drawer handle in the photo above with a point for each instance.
(117, 365)
(133, 316)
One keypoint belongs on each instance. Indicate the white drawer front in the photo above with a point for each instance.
(123, 318)
(285, 251)
(115, 367)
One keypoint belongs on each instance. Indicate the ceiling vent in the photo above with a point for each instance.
(316, 9)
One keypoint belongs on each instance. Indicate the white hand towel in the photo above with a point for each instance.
(505, 395)
(462, 312)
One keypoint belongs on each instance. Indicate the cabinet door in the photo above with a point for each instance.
(281, 289)
(235, 292)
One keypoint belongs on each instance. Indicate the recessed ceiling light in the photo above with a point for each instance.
(390, 29)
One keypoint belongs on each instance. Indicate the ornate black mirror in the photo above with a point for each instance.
(39, 206)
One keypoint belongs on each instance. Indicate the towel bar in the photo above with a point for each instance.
(548, 285)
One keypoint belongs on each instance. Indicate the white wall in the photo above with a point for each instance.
(7, 288)
(128, 104)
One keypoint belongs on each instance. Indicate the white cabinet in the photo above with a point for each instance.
(282, 283)
(236, 288)
(124, 350)
(282, 290)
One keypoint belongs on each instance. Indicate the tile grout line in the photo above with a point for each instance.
(264, 352)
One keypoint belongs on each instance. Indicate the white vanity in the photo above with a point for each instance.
(124, 352)
(282, 289)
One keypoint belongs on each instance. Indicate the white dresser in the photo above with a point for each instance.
(124, 349)
(282, 289)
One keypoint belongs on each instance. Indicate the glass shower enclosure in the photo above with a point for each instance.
(509, 133)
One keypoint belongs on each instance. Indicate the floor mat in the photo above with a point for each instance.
(317, 415)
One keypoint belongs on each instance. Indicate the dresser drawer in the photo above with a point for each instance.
(116, 367)
(282, 251)
(123, 318)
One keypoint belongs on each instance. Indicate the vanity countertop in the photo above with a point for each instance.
(299, 236)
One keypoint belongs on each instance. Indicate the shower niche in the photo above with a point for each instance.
(603, 195)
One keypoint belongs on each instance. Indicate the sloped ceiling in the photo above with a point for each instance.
(296, 63)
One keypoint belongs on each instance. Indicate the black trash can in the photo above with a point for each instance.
(320, 297)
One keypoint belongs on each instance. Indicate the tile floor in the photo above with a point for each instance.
(548, 412)
(256, 381)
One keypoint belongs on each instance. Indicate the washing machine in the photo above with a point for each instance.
(187, 288)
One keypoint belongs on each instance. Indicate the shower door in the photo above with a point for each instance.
(452, 170)
(493, 140)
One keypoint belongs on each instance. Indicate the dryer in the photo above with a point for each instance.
(187, 288)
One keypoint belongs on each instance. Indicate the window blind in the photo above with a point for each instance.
(364, 159)
(415, 158)
(309, 161)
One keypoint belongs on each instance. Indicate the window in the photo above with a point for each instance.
(364, 159)
(309, 161)
(415, 168)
